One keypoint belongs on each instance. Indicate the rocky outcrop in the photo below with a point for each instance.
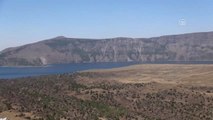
(185, 47)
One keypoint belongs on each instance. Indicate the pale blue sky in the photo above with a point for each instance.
(27, 21)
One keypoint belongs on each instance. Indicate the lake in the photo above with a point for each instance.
(17, 72)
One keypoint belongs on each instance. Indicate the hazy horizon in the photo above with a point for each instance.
(32, 21)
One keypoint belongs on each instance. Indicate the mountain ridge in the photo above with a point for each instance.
(184, 47)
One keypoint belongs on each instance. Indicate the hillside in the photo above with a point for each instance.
(139, 92)
(185, 47)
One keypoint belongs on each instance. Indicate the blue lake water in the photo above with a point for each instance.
(17, 72)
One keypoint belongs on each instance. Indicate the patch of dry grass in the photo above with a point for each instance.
(201, 74)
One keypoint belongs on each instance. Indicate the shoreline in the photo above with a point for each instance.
(137, 62)
(24, 66)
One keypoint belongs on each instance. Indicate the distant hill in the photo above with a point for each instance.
(184, 47)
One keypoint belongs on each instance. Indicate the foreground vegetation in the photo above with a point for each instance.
(108, 94)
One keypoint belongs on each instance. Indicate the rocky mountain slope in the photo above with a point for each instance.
(185, 47)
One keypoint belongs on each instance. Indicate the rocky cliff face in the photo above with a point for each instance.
(185, 47)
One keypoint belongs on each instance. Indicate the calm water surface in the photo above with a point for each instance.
(17, 72)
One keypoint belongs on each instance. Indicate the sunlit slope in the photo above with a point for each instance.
(184, 47)
(201, 74)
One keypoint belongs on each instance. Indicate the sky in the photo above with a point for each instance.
(27, 21)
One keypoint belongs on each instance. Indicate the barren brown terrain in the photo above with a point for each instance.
(138, 92)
